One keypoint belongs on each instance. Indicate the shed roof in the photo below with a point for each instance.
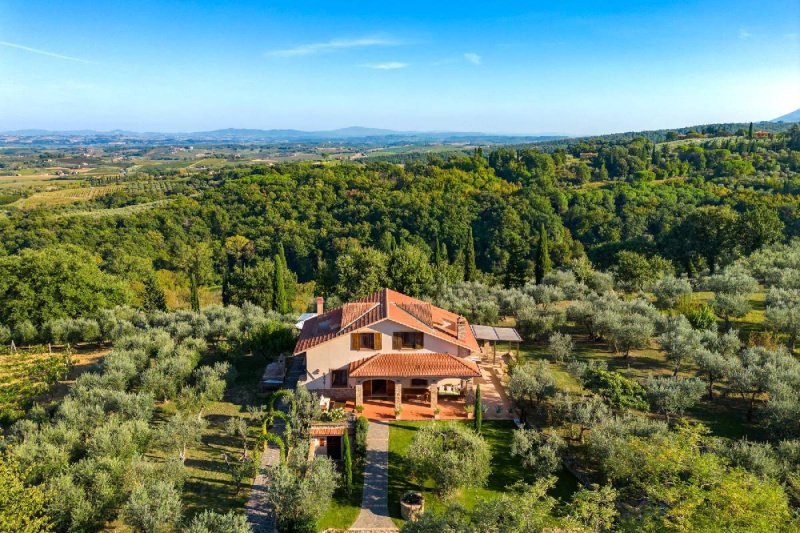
(492, 333)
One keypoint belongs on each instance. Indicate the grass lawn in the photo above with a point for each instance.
(506, 470)
(209, 485)
(344, 509)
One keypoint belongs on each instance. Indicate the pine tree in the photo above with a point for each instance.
(543, 261)
(153, 298)
(750, 131)
(348, 463)
(281, 298)
(470, 270)
(478, 409)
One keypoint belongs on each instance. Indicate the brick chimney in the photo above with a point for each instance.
(320, 305)
(461, 328)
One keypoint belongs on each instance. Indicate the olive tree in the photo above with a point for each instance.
(153, 508)
(211, 522)
(672, 396)
(540, 452)
(669, 290)
(680, 341)
(783, 313)
(561, 346)
(451, 455)
(731, 291)
(530, 384)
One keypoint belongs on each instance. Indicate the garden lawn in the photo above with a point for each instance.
(505, 469)
(344, 509)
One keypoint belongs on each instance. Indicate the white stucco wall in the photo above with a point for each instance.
(336, 353)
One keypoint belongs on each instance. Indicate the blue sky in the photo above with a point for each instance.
(514, 67)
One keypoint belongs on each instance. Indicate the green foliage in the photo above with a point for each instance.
(615, 388)
(211, 522)
(451, 455)
(55, 282)
(153, 508)
(634, 271)
(22, 507)
(672, 396)
(530, 384)
(282, 304)
(347, 459)
(362, 427)
(540, 452)
(543, 262)
(301, 493)
(153, 298)
(478, 409)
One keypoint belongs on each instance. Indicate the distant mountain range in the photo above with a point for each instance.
(239, 135)
(794, 116)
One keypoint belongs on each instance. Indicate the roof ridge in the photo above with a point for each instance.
(370, 307)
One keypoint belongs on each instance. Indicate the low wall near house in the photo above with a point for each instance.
(337, 395)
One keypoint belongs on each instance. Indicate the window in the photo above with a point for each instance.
(417, 382)
(339, 378)
(407, 340)
(365, 341)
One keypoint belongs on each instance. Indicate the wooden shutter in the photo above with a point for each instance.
(397, 341)
(377, 341)
(355, 341)
(418, 340)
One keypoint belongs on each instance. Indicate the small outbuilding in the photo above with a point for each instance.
(489, 336)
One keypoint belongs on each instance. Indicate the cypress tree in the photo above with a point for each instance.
(281, 298)
(153, 298)
(478, 409)
(543, 262)
(750, 131)
(194, 295)
(348, 463)
(470, 269)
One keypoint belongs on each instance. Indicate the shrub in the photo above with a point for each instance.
(362, 427)
(615, 388)
(451, 455)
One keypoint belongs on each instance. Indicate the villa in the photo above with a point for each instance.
(388, 347)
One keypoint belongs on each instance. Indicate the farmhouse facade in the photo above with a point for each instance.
(388, 346)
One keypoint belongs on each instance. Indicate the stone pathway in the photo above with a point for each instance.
(259, 513)
(374, 515)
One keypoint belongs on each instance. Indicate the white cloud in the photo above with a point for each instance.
(473, 58)
(43, 52)
(744, 34)
(335, 44)
(389, 65)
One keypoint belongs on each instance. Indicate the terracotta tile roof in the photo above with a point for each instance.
(325, 431)
(382, 305)
(414, 364)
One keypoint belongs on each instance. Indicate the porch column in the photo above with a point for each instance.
(359, 394)
(434, 390)
(398, 395)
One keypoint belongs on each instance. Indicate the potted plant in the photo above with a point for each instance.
(470, 409)
(412, 504)
(397, 413)
(436, 412)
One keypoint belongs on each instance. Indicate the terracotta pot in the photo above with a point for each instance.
(410, 511)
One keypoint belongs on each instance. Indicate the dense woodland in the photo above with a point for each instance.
(620, 247)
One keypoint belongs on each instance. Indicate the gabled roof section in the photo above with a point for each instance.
(399, 365)
(385, 304)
